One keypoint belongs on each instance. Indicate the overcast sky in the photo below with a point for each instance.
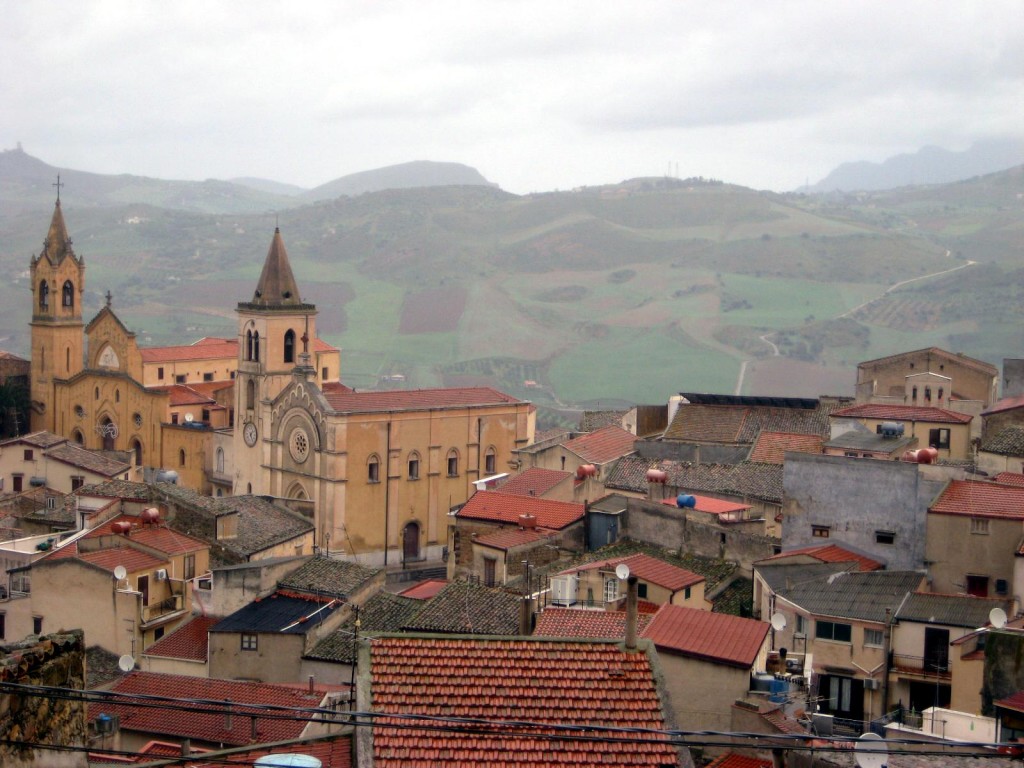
(536, 95)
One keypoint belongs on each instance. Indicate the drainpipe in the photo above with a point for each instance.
(886, 650)
(632, 599)
(387, 500)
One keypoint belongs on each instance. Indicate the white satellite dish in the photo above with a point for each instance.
(120, 572)
(871, 751)
(126, 663)
(189, 418)
(778, 622)
(997, 618)
(622, 571)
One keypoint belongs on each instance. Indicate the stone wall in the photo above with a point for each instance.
(56, 660)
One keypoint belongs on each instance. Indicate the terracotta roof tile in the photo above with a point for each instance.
(563, 683)
(1009, 478)
(204, 349)
(602, 446)
(980, 499)
(594, 420)
(647, 568)
(75, 455)
(463, 606)
(535, 481)
(1006, 442)
(830, 553)
(325, 575)
(41, 439)
(770, 447)
(158, 537)
(247, 699)
(504, 508)
(508, 539)
(182, 394)
(902, 413)
(415, 399)
(1006, 404)
(332, 752)
(424, 590)
(740, 422)
(383, 612)
(716, 637)
(581, 623)
(732, 760)
(709, 504)
(760, 481)
(190, 641)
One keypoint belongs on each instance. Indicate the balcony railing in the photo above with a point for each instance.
(161, 608)
(919, 665)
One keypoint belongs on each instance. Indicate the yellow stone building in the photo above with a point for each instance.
(265, 413)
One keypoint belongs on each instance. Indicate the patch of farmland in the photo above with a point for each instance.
(434, 310)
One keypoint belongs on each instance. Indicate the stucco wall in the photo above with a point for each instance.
(702, 693)
(954, 552)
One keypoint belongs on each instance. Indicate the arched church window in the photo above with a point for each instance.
(77, 437)
(248, 345)
(256, 346)
(453, 463)
(96, 393)
(137, 450)
(220, 460)
(250, 394)
(68, 294)
(289, 346)
(44, 295)
(67, 360)
(181, 457)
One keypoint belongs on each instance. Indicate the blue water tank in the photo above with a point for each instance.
(779, 689)
(686, 500)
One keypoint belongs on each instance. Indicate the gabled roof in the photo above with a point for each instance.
(738, 421)
(980, 499)
(333, 751)
(833, 590)
(970, 362)
(646, 568)
(535, 481)
(327, 576)
(1008, 441)
(159, 537)
(248, 701)
(466, 607)
(277, 286)
(1005, 404)
(384, 612)
(715, 637)
(424, 590)
(41, 439)
(903, 413)
(950, 610)
(502, 508)
(602, 446)
(594, 420)
(415, 399)
(182, 394)
(564, 683)
(828, 553)
(581, 623)
(190, 641)
(204, 349)
(282, 612)
(751, 480)
(770, 447)
(75, 455)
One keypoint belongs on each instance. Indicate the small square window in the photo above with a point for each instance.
(51, 502)
(250, 642)
(641, 591)
(820, 531)
(181, 378)
(207, 377)
(28, 454)
(979, 525)
(414, 469)
(37, 625)
(885, 537)
(873, 637)
(160, 374)
(1002, 587)
(323, 374)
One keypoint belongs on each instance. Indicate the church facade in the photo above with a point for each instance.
(378, 472)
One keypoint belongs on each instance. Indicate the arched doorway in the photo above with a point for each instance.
(109, 432)
(411, 542)
(137, 450)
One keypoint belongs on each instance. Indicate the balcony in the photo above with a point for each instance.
(920, 667)
(161, 610)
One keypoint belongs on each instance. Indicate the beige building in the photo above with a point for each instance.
(598, 584)
(947, 431)
(929, 377)
(45, 459)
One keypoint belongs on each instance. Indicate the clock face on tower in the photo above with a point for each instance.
(249, 433)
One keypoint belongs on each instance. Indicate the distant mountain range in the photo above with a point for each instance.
(929, 165)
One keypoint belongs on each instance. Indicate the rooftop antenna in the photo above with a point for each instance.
(58, 185)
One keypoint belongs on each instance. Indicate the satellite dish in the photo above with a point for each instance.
(126, 663)
(778, 622)
(120, 572)
(189, 418)
(997, 618)
(870, 751)
(622, 571)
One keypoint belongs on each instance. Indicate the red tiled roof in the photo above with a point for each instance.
(980, 499)
(711, 505)
(902, 413)
(577, 622)
(158, 537)
(830, 553)
(783, 722)
(770, 447)
(204, 349)
(332, 751)
(246, 698)
(716, 637)
(535, 481)
(602, 446)
(190, 641)
(1009, 478)
(732, 760)
(515, 537)
(425, 589)
(503, 508)
(649, 569)
(1006, 404)
(132, 559)
(563, 683)
(329, 387)
(1014, 702)
(182, 394)
(416, 399)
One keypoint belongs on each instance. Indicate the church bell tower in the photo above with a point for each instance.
(58, 282)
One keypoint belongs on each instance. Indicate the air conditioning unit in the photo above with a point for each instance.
(872, 685)
(161, 574)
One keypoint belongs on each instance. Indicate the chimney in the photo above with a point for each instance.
(525, 617)
(632, 598)
(186, 748)
(311, 685)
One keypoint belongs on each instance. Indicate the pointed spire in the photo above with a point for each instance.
(277, 287)
(57, 244)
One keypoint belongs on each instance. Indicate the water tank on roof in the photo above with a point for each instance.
(657, 476)
(37, 482)
(890, 429)
(686, 500)
(166, 476)
(150, 515)
(287, 760)
(585, 470)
